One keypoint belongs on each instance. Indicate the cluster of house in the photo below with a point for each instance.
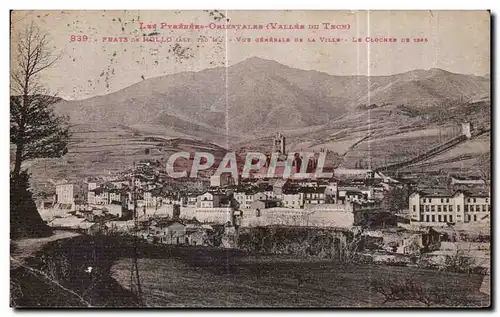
(403, 240)
(143, 181)
(288, 193)
(144, 188)
(220, 202)
(179, 231)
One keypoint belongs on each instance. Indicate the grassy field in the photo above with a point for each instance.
(204, 278)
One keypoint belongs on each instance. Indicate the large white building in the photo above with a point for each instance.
(442, 207)
(69, 193)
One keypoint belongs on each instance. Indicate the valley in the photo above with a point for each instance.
(364, 122)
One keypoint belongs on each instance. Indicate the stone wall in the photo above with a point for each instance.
(319, 217)
(217, 215)
(329, 207)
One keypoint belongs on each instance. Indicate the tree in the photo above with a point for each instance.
(350, 244)
(396, 199)
(35, 130)
(483, 166)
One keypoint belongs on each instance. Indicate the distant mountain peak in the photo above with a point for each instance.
(256, 59)
(262, 95)
(420, 74)
(259, 62)
(438, 71)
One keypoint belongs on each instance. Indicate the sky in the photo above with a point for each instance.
(94, 62)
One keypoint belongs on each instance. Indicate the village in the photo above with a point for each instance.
(397, 218)
(187, 159)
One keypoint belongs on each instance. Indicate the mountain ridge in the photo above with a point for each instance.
(263, 94)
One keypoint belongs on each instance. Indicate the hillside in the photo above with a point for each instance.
(94, 152)
(391, 134)
(363, 121)
(263, 96)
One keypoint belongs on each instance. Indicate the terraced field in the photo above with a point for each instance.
(101, 151)
(464, 157)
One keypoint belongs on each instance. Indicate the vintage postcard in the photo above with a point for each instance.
(272, 159)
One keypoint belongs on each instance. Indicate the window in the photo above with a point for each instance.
(433, 208)
(450, 207)
(447, 200)
(489, 208)
(433, 218)
(424, 200)
(474, 199)
(468, 200)
(445, 208)
(475, 217)
(439, 218)
(430, 200)
(451, 218)
(414, 208)
(484, 207)
(426, 207)
(458, 208)
(442, 200)
(427, 218)
(445, 218)
(421, 218)
(439, 208)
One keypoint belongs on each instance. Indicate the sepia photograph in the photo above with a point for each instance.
(250, 159)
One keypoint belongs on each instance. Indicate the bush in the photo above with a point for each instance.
(411, 289)
(303, 242)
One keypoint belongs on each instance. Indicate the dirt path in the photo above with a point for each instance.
(26, 248)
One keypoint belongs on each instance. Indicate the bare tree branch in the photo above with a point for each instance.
(36, 130)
